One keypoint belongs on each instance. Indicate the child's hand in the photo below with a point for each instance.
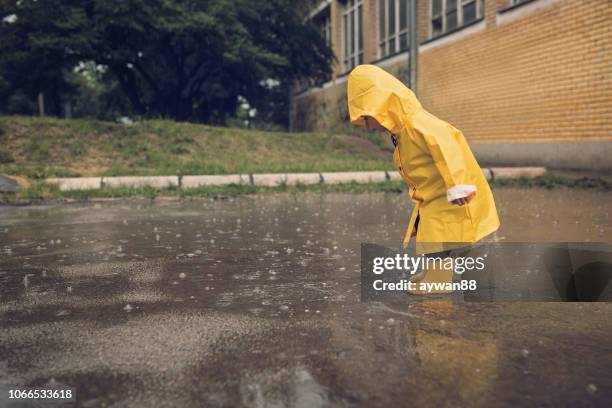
(464, 200)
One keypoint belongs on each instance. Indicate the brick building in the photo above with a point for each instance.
(528, 81)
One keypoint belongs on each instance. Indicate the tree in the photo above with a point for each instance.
(37, 45)
(184, 59)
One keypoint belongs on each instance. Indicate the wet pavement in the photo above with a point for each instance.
(254, 301)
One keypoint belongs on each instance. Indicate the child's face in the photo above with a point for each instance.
(372, 125)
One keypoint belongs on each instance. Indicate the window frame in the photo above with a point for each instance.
(459, 8)
(383, 43)
(352, 33)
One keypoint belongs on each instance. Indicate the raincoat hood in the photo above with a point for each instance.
(374, 92)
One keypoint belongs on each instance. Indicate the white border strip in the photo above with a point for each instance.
(522, 11)
(454, 37)
(403, 56)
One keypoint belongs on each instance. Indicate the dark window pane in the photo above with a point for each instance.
(451, 20)
(352, 31)
(391, 43)
(436, 7)
(451, 5)
(403, 14)
(469, 12)
(360, 28)
(403, 41)
(436, 26)
(346, 37)
(391, 16)
(325, 28)
(381, 19)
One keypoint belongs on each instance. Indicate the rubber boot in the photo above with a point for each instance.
(432, 275)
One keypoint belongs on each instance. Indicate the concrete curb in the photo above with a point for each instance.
(291, 179)
(221, 180)
(514, 172)
(270, 180)
(357, 176)
(76, 183)
(138, 181)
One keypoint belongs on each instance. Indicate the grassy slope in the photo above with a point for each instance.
(46, 147)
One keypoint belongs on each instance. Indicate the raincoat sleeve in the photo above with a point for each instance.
(442, 141)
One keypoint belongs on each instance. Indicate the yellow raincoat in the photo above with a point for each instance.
(432, 157)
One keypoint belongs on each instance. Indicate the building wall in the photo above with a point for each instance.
(540, 72)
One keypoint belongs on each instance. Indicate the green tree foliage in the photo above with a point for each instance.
(181, 59)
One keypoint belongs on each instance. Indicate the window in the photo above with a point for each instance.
(447, 15)
(323, 21)
(393, 26)
(352, 18)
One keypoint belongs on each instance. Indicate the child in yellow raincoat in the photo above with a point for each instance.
(453, 203)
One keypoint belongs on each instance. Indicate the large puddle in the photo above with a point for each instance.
(254, 301)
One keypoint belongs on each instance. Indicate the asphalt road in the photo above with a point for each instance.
(255, 301)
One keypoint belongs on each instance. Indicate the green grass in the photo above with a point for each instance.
(48, 147)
